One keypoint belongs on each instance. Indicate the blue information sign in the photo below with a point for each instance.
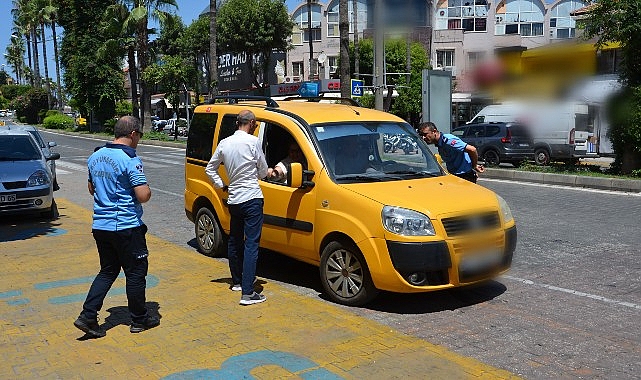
(308, 90)
(357, 88)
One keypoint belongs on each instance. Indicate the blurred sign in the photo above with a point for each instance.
(308, 90)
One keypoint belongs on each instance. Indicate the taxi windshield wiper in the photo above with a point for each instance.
(359, 177)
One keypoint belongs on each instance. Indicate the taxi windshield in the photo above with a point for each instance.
(374, 151)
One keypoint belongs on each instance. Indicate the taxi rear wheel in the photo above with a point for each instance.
(345, 276)
(209, 235)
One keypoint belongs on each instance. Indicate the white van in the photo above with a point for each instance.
(560, 130)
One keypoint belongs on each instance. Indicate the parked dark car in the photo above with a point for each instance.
(498, 142)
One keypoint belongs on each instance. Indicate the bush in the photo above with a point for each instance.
(28, 106)
(58, 121)
(625, 129)
(109, 126)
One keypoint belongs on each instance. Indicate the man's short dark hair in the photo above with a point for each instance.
(125, 125)
(428, 124)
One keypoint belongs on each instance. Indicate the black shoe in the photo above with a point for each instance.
(89, 326)
(149, 322)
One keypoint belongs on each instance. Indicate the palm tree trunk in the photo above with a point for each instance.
(343, 28)
(133, 79)
(143, 39)
(55, 54)
(357, 53)
(28, 38)
(46, 64)
(213, 54)
(36, 58)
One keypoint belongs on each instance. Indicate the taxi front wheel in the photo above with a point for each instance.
(209, 236)
(345, 275)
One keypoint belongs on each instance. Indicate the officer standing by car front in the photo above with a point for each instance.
(460, 157)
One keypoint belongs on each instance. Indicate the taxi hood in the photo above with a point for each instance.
(430, 196)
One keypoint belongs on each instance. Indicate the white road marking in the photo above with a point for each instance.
(167, 192)
(575, 292)
(71, 165)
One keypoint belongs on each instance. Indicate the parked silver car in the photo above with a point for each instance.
(26, 181)
(45, 147)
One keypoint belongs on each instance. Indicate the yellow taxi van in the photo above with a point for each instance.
(369, 217)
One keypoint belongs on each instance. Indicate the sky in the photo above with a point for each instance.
(187, 9)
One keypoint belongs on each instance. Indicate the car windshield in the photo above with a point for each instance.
(374, 151)
(18, 148)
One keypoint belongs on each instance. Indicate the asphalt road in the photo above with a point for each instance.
(569, 308)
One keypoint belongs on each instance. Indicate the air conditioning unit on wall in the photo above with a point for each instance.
(451, 69)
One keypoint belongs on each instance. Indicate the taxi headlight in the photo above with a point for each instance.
(505, 210)
(38, 178)
(402, 221)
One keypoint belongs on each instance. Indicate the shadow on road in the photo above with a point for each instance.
(23, 227)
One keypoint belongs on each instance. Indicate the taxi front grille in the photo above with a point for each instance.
(460, 225)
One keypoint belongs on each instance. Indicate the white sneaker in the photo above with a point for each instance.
(250, 299)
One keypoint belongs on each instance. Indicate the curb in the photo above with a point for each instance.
(601, 183)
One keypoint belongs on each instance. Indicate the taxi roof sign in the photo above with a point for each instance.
(309, 90)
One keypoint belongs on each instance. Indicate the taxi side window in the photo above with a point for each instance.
(227, 127)
(276, 144)
(201, 136)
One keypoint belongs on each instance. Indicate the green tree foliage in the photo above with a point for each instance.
(29, 105)
(620, 21)
(193, 45)
(95, 82)
(254, 27)
(408, 103)
(172, 73)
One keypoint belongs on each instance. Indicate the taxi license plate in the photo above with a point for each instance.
(480, 261)
(7, 198)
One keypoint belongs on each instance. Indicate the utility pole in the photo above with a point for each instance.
(379, 55)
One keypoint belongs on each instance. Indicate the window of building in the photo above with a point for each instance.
(301, 31)
(524, 17)
(562, 25)
(469, 15)
(445, 58)
(474, 57)
(297, 71)
(333, 64)
(333, 18)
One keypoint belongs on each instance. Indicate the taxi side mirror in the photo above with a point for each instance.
(297, 177)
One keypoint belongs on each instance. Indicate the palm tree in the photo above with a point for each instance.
(213, 45)
(125, 44)
(50, 14)
(15, 54)
(141, 12)
(22, 28)
(41, 7)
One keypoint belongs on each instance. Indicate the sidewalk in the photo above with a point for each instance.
(204, 332)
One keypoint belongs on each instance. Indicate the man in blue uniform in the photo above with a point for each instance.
(460, 158)
(118, 185)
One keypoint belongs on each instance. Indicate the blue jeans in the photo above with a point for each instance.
(126, 249)
(244, 237)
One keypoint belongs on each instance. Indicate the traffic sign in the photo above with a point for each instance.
(357, 88)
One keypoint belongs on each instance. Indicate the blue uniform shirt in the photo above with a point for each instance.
(452, 151)
(114, 171)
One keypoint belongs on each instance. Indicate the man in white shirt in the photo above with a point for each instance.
(244, 161)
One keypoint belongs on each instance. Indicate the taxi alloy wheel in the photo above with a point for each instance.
(209, 235)
(345, 275)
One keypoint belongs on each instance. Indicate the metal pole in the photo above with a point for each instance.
(187, 105)
(379, 55)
